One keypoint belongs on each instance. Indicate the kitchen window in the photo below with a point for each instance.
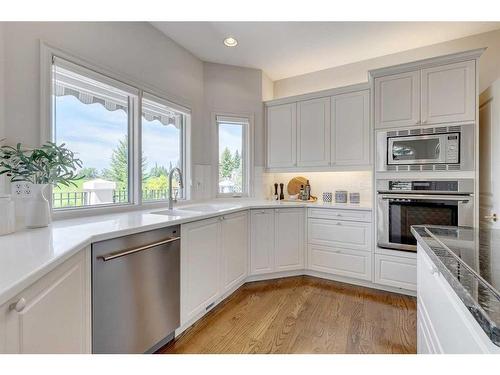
(162, 147)
(93, 115)
(127, 138)
(233, 155)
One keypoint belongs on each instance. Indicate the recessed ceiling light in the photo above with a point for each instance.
(230, 42)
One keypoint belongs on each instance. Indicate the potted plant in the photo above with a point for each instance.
(47, 165)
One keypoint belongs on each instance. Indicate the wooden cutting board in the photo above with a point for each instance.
(294, 185)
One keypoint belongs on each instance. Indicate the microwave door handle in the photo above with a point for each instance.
(438, 149)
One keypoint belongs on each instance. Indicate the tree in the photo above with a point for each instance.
(158, 170)
(226, 163)
(89, 172)
(236, 160)
(118, 171)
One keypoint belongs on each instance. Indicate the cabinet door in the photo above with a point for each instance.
(282, 135)
(289, 239)
(350, 130)
(261, 241)
(397, 100)
(449, 93)
(199, 267)
(56, 313)
(396, 271)
(234, 242)
(313, 132)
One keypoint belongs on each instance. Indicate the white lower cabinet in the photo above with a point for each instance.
(340, 261)
(444, 324)
(234, 246)
(277, 240)
(340, 242)
(289, 239)
(399, 272)
(53, 314)
(213, 261)
(200, 245)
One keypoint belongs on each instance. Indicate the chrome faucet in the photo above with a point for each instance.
(181, 185)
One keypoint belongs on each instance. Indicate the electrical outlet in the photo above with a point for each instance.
(21, 190)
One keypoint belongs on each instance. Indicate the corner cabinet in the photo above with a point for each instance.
(437, 94)
(52, 316)
(277, 240)
(282, 136)
(322, 131)
(213, 262)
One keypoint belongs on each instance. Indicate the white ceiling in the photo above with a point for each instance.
(285, 49)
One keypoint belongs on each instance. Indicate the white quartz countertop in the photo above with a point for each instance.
(27, 255)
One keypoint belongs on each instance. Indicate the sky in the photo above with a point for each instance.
(92, 131)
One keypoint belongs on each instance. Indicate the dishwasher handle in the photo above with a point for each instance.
(137, 249)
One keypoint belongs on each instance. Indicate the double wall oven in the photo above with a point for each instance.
(402, 203)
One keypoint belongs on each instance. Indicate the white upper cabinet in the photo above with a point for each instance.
(289, 239)
(313, 132)
(282, 136)
(449, 93)
(397, 100)
(234, 250)
(350, 129)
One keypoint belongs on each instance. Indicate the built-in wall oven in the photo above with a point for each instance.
(403, 203)
(441, 148)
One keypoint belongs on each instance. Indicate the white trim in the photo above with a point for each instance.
(319, 94)
(247, 152)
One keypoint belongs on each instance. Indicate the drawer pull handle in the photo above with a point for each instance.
(19, 305)
(339, 223)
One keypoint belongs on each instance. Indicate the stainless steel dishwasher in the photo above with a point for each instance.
(136, 291)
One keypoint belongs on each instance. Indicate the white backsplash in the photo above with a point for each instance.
(353, 182)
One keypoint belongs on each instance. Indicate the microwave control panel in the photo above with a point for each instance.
(452, 148)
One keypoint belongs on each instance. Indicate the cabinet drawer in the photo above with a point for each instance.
(396, 271)
(350, 215)
(339, 261)
(337, 233)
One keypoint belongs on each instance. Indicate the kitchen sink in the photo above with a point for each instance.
(209, 207)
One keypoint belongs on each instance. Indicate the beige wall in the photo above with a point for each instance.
(267, 87)
(236, 90)
(358, 72)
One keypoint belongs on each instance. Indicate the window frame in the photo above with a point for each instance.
(183, 146)
(246, 154)
(47, 53)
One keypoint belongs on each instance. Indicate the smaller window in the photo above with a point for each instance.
(232, 136)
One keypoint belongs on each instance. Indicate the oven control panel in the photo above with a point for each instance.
(423, 185)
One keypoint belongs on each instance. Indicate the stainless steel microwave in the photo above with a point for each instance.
(440, 148)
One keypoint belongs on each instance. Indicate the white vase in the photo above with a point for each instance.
(37, 207)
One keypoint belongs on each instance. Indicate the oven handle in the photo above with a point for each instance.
(427, 197)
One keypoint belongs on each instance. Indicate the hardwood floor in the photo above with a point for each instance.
(304, 315)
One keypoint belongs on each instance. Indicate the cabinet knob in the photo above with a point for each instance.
(424, 121)
(417, 122)
(339, 223)
(434, 270)
(19, 305)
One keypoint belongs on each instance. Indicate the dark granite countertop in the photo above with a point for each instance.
(469, 259)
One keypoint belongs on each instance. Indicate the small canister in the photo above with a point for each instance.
(340, 196)
(327, 197)
(354, 197)
(8, 216)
